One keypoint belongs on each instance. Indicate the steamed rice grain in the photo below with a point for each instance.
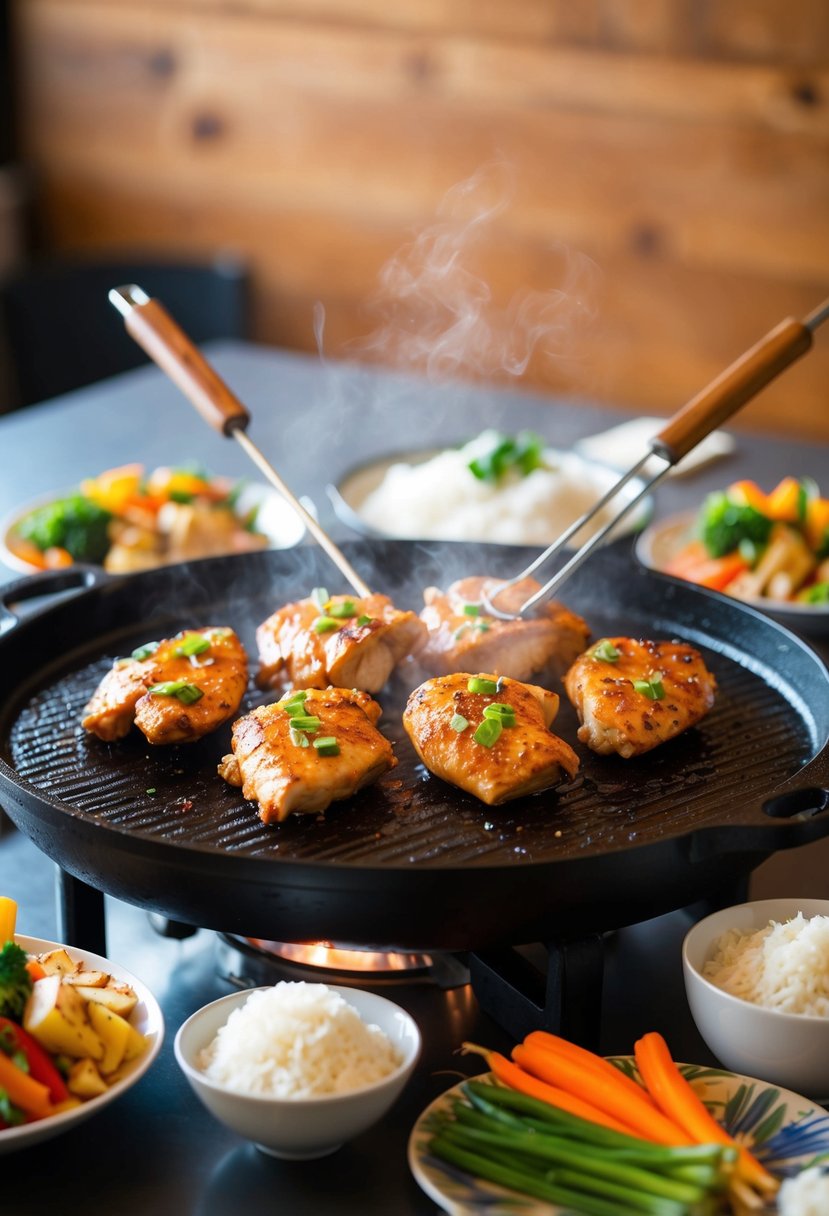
(784, 966)
(298, 1040)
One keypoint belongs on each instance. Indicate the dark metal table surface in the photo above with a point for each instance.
(155, 1150)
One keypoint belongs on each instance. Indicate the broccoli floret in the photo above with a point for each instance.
(76, 524)
(724, 524)
(15, 981)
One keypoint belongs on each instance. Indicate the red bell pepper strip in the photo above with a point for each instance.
(41, 1067)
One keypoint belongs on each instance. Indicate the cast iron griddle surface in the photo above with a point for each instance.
(754, 738)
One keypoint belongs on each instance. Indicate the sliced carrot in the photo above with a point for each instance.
(749, 494)
(516, 1078)
(785, 500)
(613, 1099)
(57, 558)
(817, 522)
(22, 1091)
(673, 1095)
(587, 1059)
(714, 572)
(34, 969)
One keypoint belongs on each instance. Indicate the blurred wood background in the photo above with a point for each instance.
(664, 163)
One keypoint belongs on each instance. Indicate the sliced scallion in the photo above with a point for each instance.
(320, 596)
(298, 738)
(482, 685)
(342, 610)
(505, 714)
(489, 732)
(364, 620)
(459, 723)
(606, 652)
(180, 689)
(472, 609)
(195, 643)
(144, 652)
(327, 746)
(653, 688)
(325, 624)
(307, 722)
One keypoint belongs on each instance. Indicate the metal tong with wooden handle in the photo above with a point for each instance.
(698, 418)
(152, 327)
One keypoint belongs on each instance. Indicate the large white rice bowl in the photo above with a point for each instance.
(766, 1014)
(298, 1068)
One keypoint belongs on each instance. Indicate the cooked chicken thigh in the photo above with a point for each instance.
(306, 751)
(335, 640)
(463, 636)
(488, 736)
(175, 690)
(633, 695)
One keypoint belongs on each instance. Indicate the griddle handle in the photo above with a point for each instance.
(51, 582)
(732, 389)
(163, 339)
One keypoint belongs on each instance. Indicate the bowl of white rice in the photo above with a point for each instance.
(757, 981)
(298, 1068)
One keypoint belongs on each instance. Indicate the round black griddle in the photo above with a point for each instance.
(410, 863)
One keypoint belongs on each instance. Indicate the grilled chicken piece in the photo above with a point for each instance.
(525, 757)
(463, 637)
(198, 677)
(278, 765)
(633, 695)
(338, 640)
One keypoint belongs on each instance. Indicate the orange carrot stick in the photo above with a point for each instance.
(34, 969)
(677, 1099)
(22, 1090)
(604, 1093)
(516, 1078)
(587, 1059)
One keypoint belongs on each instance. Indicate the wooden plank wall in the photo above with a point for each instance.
(658, 170)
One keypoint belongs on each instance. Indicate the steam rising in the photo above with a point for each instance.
(437, 314)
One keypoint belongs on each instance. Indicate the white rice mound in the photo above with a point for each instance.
(784, 966)
(807, 1194)
(298, 1040)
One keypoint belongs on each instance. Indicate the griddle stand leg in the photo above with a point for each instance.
(566, 1001)
(80, 911)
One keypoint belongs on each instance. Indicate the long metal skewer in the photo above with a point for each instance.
(701, 415)
(152, 327)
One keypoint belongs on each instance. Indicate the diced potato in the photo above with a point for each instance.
(84, 1080)
(89, 979)
(120, 998)
(57, 962)
(56, 1016)
(114, 1033)
(137, 1044)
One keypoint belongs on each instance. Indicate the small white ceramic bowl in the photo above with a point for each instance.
(299, 1127)
(788, 1049)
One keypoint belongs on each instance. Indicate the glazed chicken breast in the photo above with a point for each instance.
(463, 636)
(306, 751)
(174, 691)
(488, 736)
(631, 695)
(339, 640)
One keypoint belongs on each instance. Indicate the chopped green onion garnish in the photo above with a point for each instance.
(364, 620)
(298, 738)
(458, 723)
(479, 684)
(305, 722)
(295, 709)
(523, 454)
(472, 609)
(653, 688)
(151, 790)
(299, 696)
(505, 714)
(144, 652)
(196, 643)
(488, 732)
(606, 652)
(347, 608)
(327, 746)
(324, 624)
(180, 689)
(320, 596)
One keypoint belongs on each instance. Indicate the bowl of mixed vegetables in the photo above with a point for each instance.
(128, 518)
(769, 549)
(76, 1032)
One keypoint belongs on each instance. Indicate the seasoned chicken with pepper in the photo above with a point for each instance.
(463, 636)
(174, 691)
(306, 751)
(335, 640)
(488, 736)
(633, 695)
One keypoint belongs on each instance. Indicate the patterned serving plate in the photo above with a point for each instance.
(786, 1132)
